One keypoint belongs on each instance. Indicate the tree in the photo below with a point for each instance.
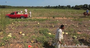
(59, 6)
(86, 6)
(68, 6)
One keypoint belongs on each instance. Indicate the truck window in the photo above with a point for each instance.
(12, 13)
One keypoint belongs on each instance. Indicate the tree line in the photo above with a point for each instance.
(85, 6)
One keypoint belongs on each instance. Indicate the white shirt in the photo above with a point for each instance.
(21, 11)
(30, 12)
(26, 10)
(59, 34)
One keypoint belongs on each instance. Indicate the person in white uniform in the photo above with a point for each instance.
(26, 11)
(59, 36)
(21, 12)
(30, 14)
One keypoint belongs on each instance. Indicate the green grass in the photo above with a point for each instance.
(29, 19)
(81, 19)
(44, 32)
(54, 22)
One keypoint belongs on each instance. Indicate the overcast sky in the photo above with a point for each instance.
(43, 2)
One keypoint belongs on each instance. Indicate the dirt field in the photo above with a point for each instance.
(39, 31)
(31, 28)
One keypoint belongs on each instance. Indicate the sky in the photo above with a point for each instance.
(43, 2)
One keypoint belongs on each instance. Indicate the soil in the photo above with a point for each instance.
(30, 28)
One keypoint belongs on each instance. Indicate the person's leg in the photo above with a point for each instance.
(30, 15)
(58, 45)
(87, 14)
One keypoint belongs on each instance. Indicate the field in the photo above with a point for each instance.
(39, 31)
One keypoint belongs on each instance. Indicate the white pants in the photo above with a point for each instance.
(58, 45)
(30, 15)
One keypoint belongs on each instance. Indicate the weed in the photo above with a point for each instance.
(53, 17)
(76, 41)
(29, 19)
(14, 37)
(80, 23)
(32, 37)
(24, 37)
(71, 30)
(41, 39)
(85, 35)
(54, 22)
(89, 28)
(6, 38)
(25, 45)
(44, 32)
(25, 25)
(80, 19)
(2, 43)
(52, 36)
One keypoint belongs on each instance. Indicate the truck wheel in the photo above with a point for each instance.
(22, 17)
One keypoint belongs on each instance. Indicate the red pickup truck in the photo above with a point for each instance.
(17, 15)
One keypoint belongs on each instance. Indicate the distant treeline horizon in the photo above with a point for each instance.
(85, 6)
